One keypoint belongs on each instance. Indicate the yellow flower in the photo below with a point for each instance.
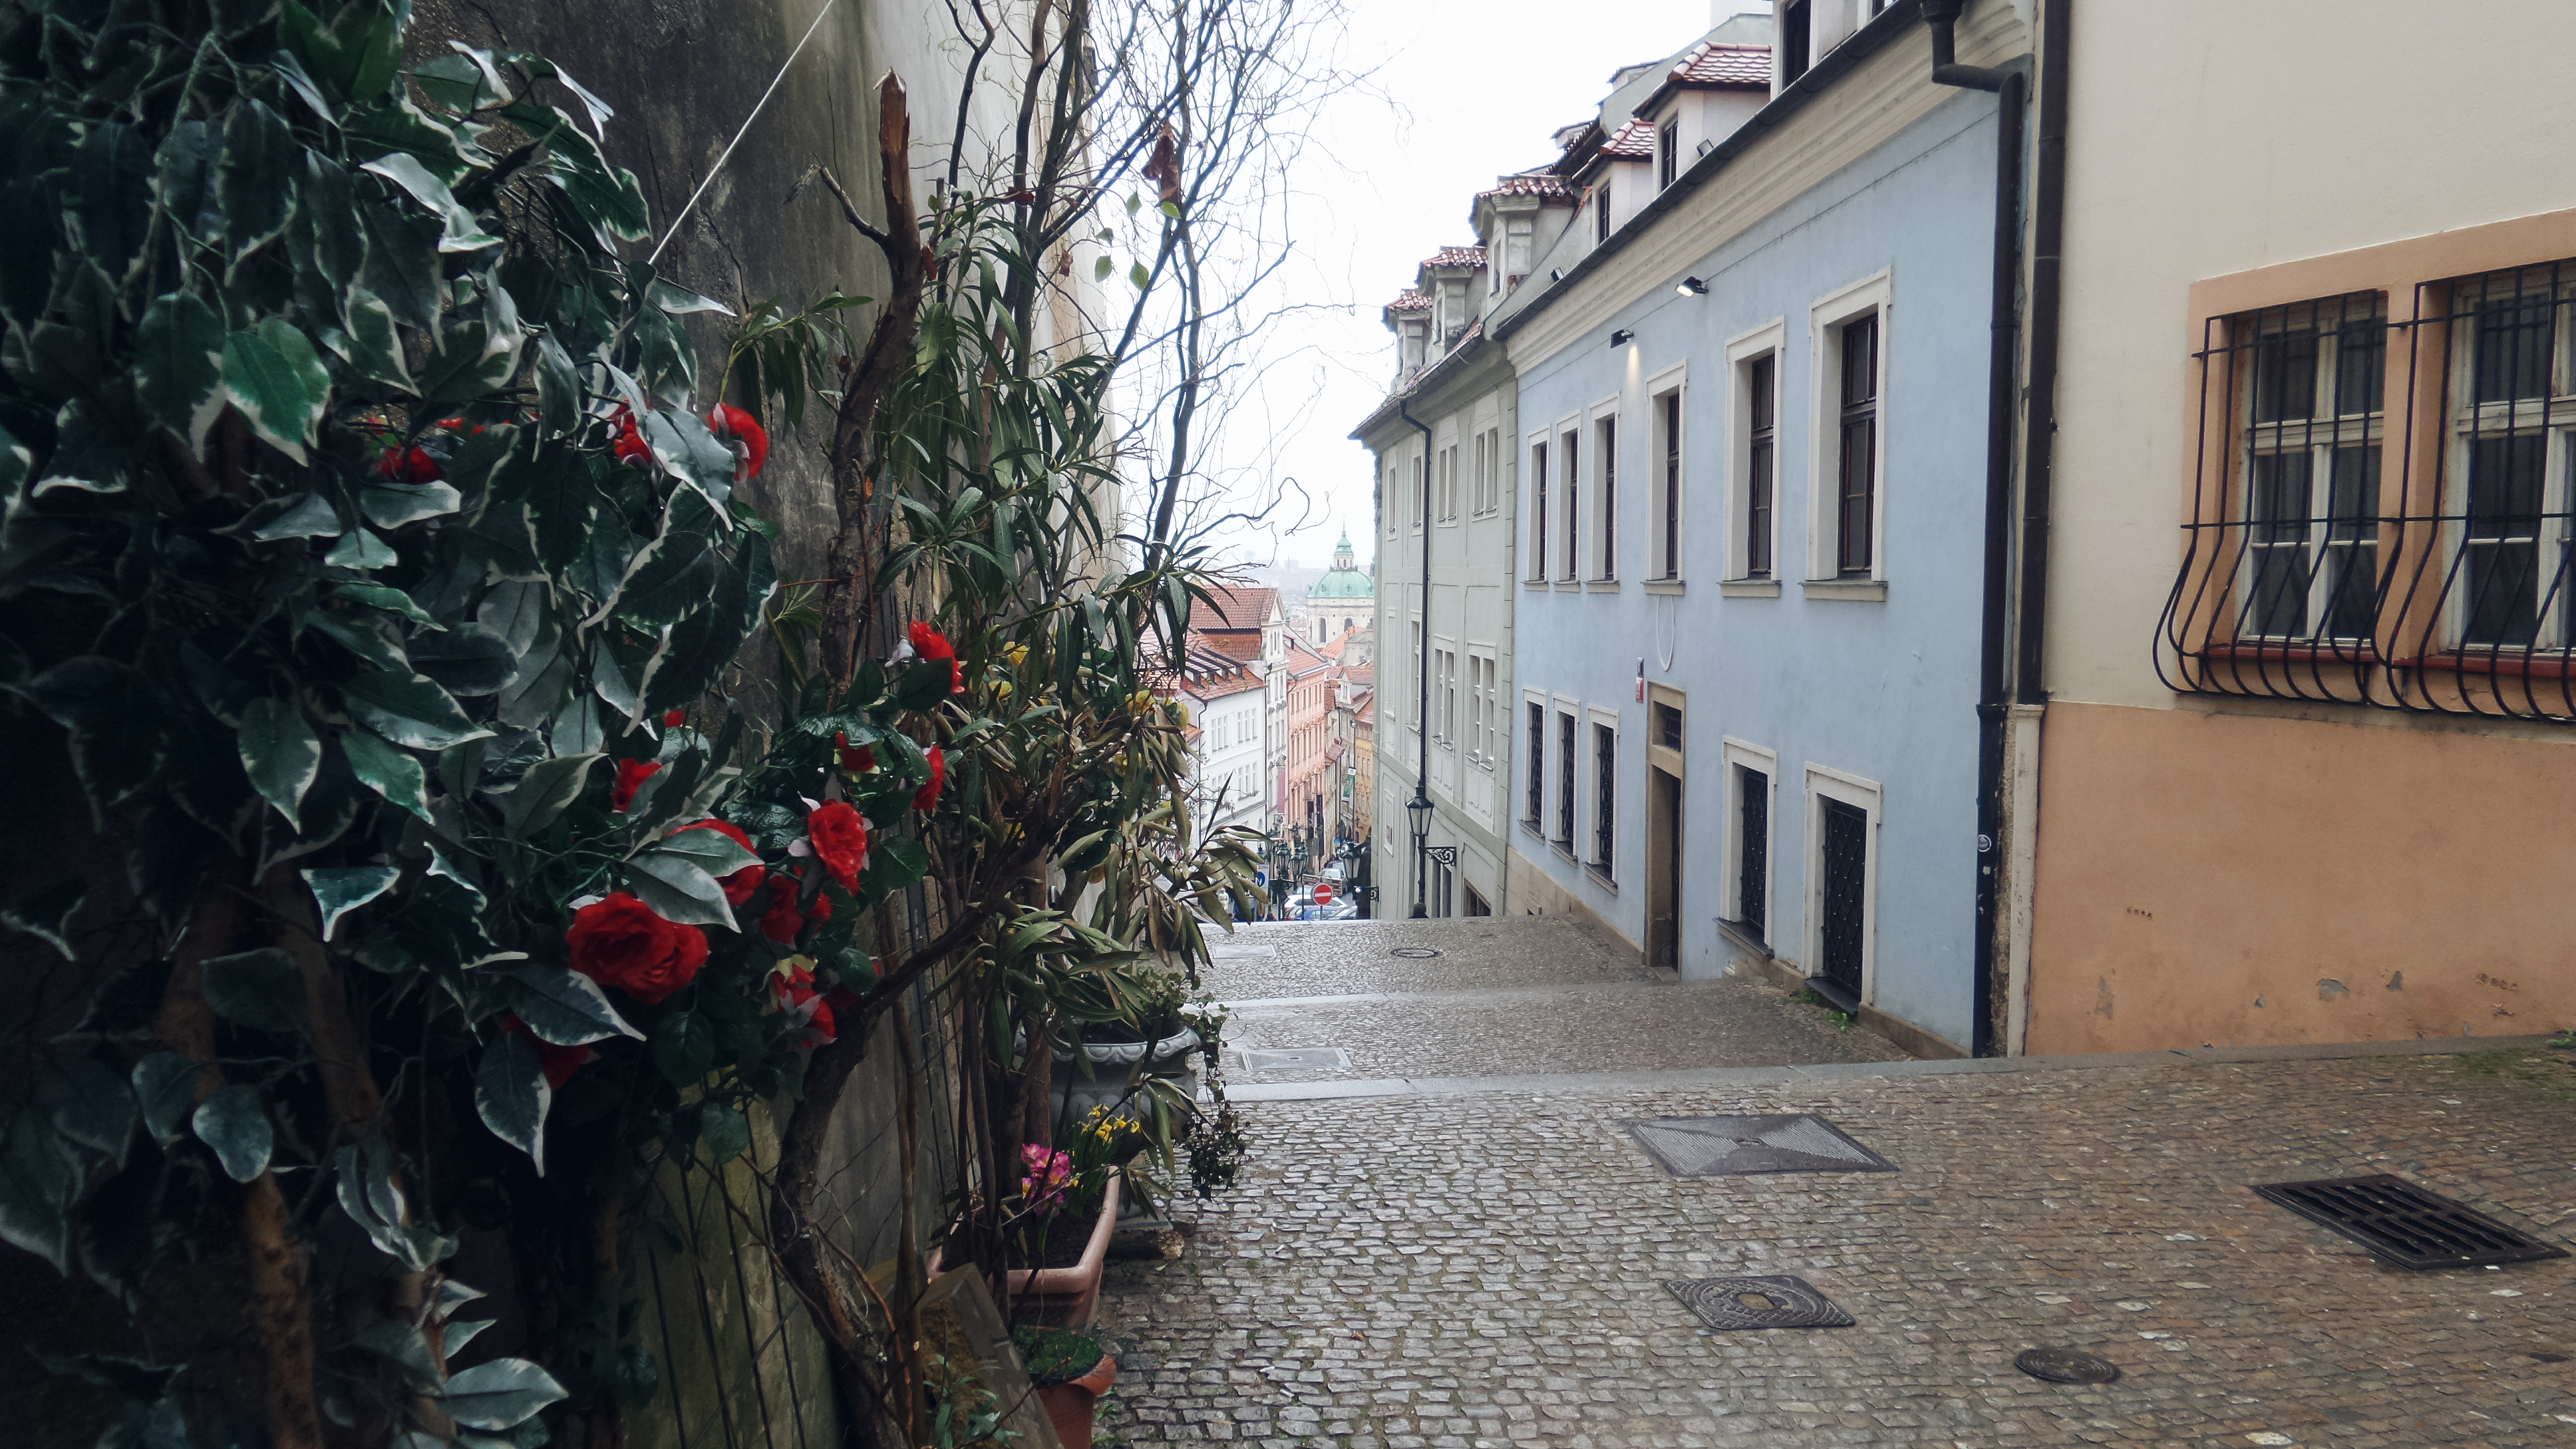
(1018, 654)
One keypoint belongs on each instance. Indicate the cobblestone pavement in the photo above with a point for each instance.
(1487, 1268)
(1533, 994)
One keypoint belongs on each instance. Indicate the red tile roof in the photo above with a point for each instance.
(1635, 142)
(1234, 607)
(1456, 257)
(1546, 188)
(1725, 65)
(1410, 300)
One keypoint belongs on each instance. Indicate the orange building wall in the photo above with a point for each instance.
(2219, 879)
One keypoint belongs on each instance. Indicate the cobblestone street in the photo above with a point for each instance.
(1432, 1261)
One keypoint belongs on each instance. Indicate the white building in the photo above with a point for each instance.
(1227, 704)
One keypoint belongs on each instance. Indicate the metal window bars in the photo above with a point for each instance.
(1605, 794)
(2381, 510)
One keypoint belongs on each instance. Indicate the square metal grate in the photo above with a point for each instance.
(1737, 1146)
(2406, 1225)
(1758, 1302)
(1296, 1059)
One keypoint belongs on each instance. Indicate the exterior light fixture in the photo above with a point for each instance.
(1622, 337)
(1690, 287)
(1707, 146)
(1556, 274)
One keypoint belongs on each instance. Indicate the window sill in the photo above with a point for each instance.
(1566, 848)
(1534, 829)
(1600, 586)
(2538, 664)
(1744, 937)
(1749, 589)
(1666, 586)
(1601, 878)
(2356, 651)
(1867, 591)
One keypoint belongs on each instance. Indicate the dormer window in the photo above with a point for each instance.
(1668, 152)
(1601, 211)
(1794, 40)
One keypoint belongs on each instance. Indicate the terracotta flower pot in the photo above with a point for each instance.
(1072, 1292)
(1070, 1406)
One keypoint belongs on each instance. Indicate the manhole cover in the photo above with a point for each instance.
(2406, 1225)
(1414, 953)
(1735, 1146)
(2066, 1366)
(1759, 1302)
(2539, 1357)
(1297, 1059)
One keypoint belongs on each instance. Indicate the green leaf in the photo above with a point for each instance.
(277, 380)
(683, 445)
(255, 177)
(178, 365)
(467, 661)
(235, 1123)
(402, 261)
(411, 711)
(726, 1132)
(376, 349)
(310, 516)
(36, 1184)
(166, 1084)
(1137, 274)
(680, 300)
(711, 851)
(390, 600)
(565, 1007)
(545, 792)
(400, 1343)
(500, 1394)
(47, 915)
(281, 752)
(361, 552)
(388, 771)
(1101, 267)
(684, 1047)
(391, 505)
(261, 989)
(115, 718)
(343, 889)
(678, 890)
(511, 1095)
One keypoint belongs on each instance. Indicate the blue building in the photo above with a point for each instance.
(1764, 438)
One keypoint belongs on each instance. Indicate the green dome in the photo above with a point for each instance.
(1344, 581)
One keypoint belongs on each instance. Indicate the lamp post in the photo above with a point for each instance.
(1418, 813)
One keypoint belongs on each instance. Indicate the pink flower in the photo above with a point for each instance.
(1047, 1174)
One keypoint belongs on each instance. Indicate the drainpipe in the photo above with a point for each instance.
(1992, 710)
(1422, 709)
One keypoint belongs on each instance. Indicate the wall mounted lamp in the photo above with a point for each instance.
(1622, 337)
(1556, 274)
(1690, 287)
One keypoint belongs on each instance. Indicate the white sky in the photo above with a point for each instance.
(1462, 91)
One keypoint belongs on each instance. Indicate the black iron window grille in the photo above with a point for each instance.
(1605, 794)
(1565, 782)
(1752, 851)
(1843, 910)
(1605, 444)
(1673, 484)
(1858, 491)
(1567, 456)
(1538, 510)
(2382, 506)
(1537, 766)
(1760, 464)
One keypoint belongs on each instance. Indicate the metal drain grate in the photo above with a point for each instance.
(2066, 1366)
(2406, 1225)
(1761, 1302)
(1296, 1059)
(1736, 1146)
(1414, 953)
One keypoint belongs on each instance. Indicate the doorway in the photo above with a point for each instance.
(1664, 773)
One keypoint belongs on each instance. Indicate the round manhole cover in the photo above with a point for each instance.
(1414, 953)
(2066, 1366)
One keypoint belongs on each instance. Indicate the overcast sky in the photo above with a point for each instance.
(1463, 91)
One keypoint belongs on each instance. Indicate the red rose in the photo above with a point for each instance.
(857, 761)
(804, 1006)
(557, 1062)
(628, 441)
(821, 909)
(840, 841)
(410, 465)
(631, 775)
(927, 797)
(930, 644)
(739, 885)
(732, 426)
(620, 942)
(673, 719)
(782, 920)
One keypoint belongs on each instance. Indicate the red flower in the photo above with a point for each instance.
(629, 444)
(631, 775)
(673, 719)
(739, 885)
(930, 644)
(927, 798)
(557, 1062)
(734, 426)
(410, 465)
(782, 920)
(805, 1006)
(821, 909)
(840, 841)
(620, 942)
(857, 761)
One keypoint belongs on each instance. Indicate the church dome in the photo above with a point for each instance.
(1344, 581)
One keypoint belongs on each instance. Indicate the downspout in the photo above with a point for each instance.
(1422, 706)
(1992, 713)
(2048, 230)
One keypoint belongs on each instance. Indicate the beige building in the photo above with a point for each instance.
(2306, 769)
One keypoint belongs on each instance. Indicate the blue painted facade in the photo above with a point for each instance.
(1843, 689)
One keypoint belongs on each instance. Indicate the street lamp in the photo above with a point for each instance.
(1418, 811)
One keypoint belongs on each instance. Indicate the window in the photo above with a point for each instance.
(1484, 719)
(1568, 465)
(1601, 209)
(1748, 882)
(1444, 697)
(1489, 471)
(1448, 484)
(1536, 747)
(1605, 502)
(1421, 491)
(1605, 793)
(1668, 495)
(1847, 463)
(1565, 753)
(1538, 485)
(1856, 491)
(1417, 670)
(1668, 145)
(1842, 832)
(1793, 41)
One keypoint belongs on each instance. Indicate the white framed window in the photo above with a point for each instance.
(1489, 472)
(2313, 422)
(1752, 788)
(1569, 754)
(1484, 705)
(1534, 761)
(1444, 697)
(1389, 496)
(1842, 880)
(1444, 483)
(1539, 484)
(1753, 451)
(1569, 468)
(1415, 723)
(1668, 151)
(1601, 209)
(1601, 791)
(1847, 453)
(1666, 491)
(1604, 559)
(1418, 473)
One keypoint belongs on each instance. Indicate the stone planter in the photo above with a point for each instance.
(1110, 1064)
(1069, 1406)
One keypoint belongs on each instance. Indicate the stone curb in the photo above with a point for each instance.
(1560, 1082)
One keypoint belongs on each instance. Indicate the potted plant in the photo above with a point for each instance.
(1071, 1371)
(1148, 1039)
